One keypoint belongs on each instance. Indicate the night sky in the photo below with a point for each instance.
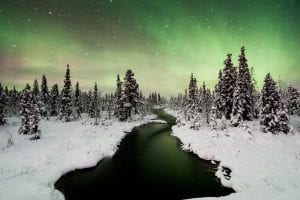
(163, 41)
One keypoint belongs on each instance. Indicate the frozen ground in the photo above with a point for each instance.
(29, 169)
(264, 166)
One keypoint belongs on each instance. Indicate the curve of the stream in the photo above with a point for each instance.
(149, 164)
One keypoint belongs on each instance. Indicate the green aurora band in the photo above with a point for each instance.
(161, 41)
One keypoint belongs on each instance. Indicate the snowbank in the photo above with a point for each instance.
(29, 169)
(264, 166)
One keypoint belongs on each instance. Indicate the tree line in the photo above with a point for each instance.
(236, 98)
(36, 102)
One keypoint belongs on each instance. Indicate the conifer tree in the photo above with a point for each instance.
(35, 88)
(26, 110)
(192, 90)
(54, 100)
(118, 95)
(44, 105)
(192, 101)
(283, 118)
(270, 104)
(243, 93)
(293, 97)
(226, 88)
(96, 104)
(66, 98)
(35, 118)
(217, 96)
(130, 96)
(3, 104)
(206, 102)
(78, 101)
(14, 101)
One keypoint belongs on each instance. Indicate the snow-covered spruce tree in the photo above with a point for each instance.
(130, 96)
(66, 98)
(293, 97)
(270, 105)
(35, 88)
(256, 96)
(243, 92)
(38, 96)
(35, 118)
(54, 100)
(206, 102)
(3, 104)
(93, 102)
(191, 106)
(217, 96)
(13, 102)
(44, 106)
(96, 104)
(283, 118)
(118, 95)
(226, 88)
(26, 110)
(77, 101)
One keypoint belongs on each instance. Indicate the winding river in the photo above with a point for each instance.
(149, 164)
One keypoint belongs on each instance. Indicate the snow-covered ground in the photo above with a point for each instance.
(264, 166)
(29, 169)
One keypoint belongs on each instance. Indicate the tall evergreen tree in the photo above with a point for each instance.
(35, 118)
(226, 88)
(44, 97)
(243, 93)
(130, 96)
(35, 88)
(3, 104)
(192, 90)
(118, 95)
(66, 98)
(192, 102)
(54, 100)
(283, 118)
(206, 102)
(96, 104)
(78, 100)
(14, 102)
(270, 104)
(217, 96)
(26, 110)
(293, 97)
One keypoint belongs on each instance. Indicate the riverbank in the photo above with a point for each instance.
(155, 165)
(264, 166)
(29, 169)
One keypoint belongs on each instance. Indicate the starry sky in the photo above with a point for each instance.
(162, 41)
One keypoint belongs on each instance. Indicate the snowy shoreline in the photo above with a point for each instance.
(264, 166)
(29, 169)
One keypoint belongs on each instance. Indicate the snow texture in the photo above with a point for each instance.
(264, 166)
(29, 169)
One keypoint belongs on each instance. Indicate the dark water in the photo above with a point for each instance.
(148, 165)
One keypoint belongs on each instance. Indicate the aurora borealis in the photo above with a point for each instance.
(162, 41)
